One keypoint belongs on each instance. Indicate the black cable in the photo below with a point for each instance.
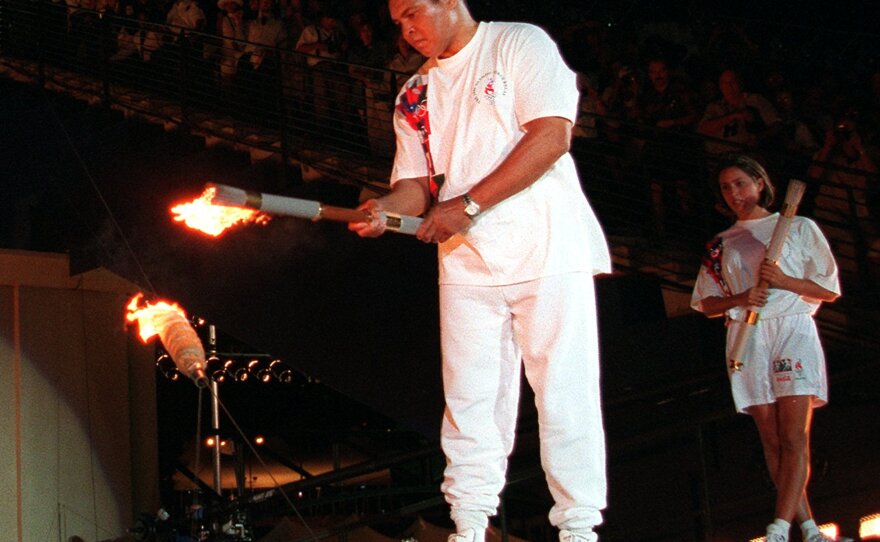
(259, 457)
(103, 200)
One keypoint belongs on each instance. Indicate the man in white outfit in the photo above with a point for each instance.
(483, 132)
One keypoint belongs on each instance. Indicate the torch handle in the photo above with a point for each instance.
(343, 214)
(302, 208)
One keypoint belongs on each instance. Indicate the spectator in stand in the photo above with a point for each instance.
(380, 97)
(741, 118)
(370, 89)
(795, 136)
(590, 108)
(145, 37)
(128, 43)
(84, 28)
(265, 34)
(294, 17)
(367, 51)
(668, 106)
(816, 109)
(231, 29)
(325, 42)
(623, 103)
(145, 10)
(592, 153)
(622, 128)
(183, 16)
(322, 39)
(256, 81)
(186, 14)
(668, 101)
(845, 179)
(405, 61)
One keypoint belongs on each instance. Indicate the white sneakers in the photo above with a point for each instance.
(819, 537)
(470, 535)
(775, 534)
(568, 536)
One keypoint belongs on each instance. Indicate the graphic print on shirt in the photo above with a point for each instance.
(413, 105)
(712, 262)
(490, 87)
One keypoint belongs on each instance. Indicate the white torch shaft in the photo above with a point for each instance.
(793, 197)
(301, 208)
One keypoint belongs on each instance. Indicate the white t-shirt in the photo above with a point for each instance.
(478, 100)
(805, 254)
(737, 131)
(314, 33)
(185, 13)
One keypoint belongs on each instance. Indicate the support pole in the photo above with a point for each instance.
(215, 412)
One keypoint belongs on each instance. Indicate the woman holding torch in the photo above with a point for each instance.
(783, 377)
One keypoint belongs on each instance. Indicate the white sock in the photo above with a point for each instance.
(584, 533)
(576, 527)
(809, 527)
(779, 526)
(469, 519)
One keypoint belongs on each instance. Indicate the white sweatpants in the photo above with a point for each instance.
(549, 327)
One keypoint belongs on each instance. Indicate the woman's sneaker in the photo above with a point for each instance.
(820, 537)
(568, 536)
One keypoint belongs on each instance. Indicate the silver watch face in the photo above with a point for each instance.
(471, 207)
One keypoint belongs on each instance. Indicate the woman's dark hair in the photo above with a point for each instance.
(750, 167)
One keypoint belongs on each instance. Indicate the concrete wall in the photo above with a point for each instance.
(77, 404)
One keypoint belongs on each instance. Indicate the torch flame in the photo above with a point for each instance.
(144, 313)
(203, 215)
(168, 321)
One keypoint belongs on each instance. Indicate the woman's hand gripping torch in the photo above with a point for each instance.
(221, 207)
(793, 197)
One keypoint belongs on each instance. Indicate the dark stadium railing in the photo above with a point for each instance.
(336, 119)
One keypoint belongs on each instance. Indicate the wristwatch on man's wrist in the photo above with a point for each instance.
(471, 207)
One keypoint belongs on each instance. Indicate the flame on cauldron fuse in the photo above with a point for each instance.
(144, 313)
(168, 321)
(202, 215)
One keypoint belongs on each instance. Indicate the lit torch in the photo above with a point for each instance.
(204, 215)
(793, 196)
(178, 337)
(221, 206)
